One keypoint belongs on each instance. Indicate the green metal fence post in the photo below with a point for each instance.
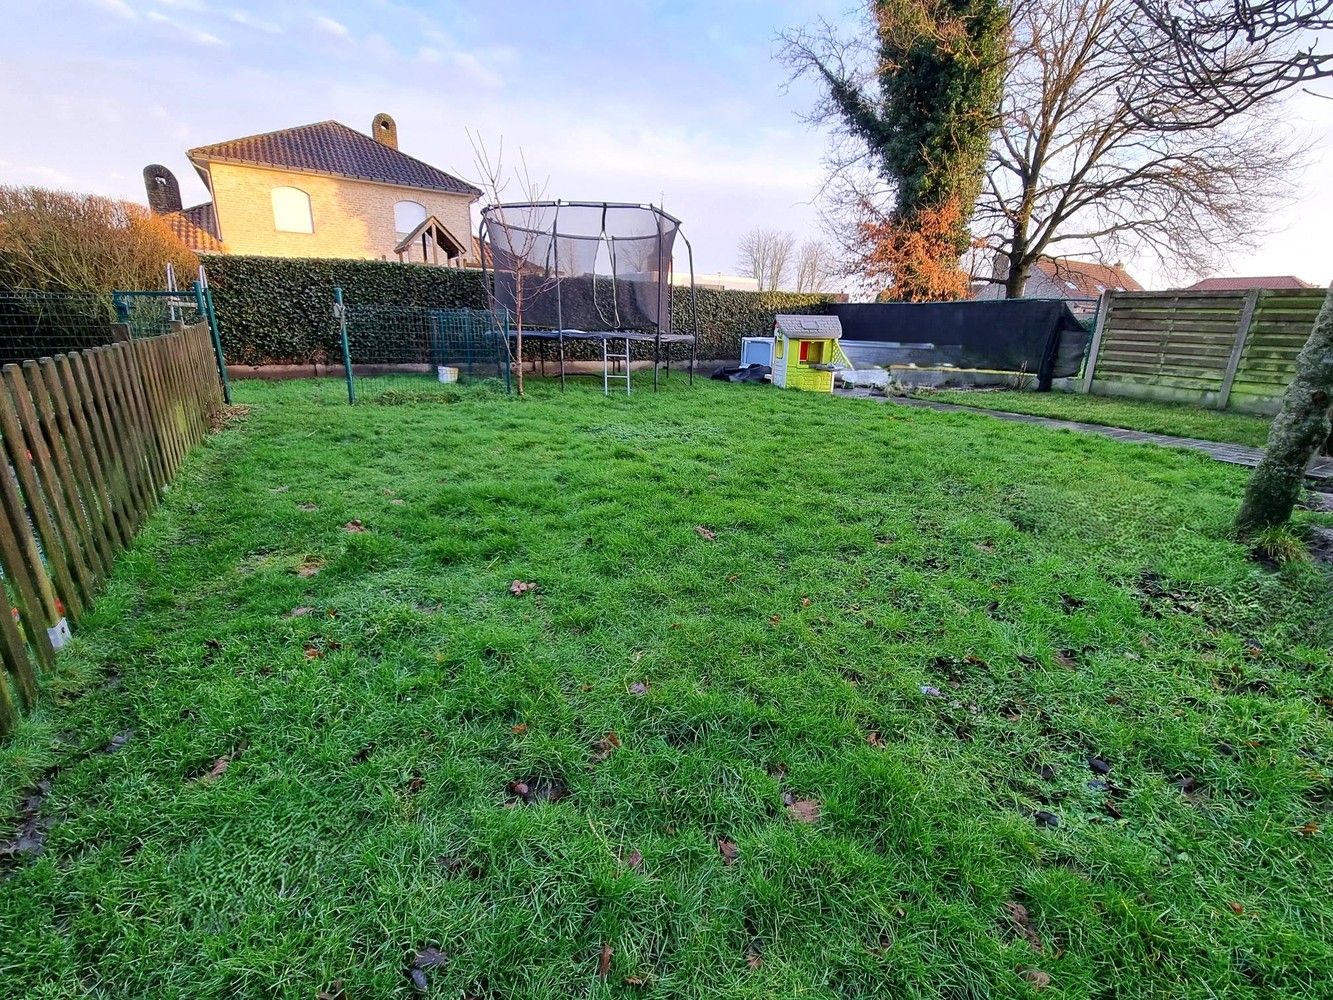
(203, 298)
(340, 311)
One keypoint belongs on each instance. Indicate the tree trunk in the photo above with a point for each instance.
(1017, 280)
(1298, 432)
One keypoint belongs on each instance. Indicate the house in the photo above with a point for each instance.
(1272, 281)
(321, 190)
(1080, 283)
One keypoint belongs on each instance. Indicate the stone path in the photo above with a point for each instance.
(1237, 454)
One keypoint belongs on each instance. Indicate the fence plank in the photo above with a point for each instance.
(88, 428)
(64, 592)
(15, 654)
(35, 443)
(65, 481)
(95, 368)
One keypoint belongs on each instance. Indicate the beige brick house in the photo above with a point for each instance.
(321, 190)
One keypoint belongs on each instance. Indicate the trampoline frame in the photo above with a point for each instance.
(629, 335)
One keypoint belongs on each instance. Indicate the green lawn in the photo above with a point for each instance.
(837, 743)
(1180, 419)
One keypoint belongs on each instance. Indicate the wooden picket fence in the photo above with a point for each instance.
(91, 440)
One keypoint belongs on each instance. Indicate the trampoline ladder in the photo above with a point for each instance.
(609, 359)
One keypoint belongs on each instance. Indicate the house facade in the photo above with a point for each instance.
(1080, 283)
(321, 190)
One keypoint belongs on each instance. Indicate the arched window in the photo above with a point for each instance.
(407, 215)
(291, 211)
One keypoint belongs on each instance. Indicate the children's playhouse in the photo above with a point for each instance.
(806, 352)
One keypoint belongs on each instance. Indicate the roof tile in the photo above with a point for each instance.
(333, 148)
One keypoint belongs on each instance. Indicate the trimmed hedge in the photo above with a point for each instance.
(274, 310)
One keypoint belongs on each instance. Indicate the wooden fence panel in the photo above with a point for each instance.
(1220, 349)
(88, 442)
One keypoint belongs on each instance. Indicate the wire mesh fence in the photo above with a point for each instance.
(36, 324)
(394, 349)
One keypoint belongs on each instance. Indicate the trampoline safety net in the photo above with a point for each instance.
(420, 350)
(579, 271)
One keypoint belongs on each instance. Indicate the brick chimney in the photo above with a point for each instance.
(164, 194)
(384, 130)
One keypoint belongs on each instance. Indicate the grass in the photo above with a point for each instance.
(926, 623)
(1180, 419)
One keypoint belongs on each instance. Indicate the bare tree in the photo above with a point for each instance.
(521, 219)
(1231, 56)
(765, 255)
(815, 265)
(1077, 169)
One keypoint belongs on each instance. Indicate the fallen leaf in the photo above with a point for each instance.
(603, 747)
(416, 783)
(706, 534)
(805, 602)
(309, 566)
(1236, 908)
(1099, 765)
(307, 507)
(334, 991)
(802, 810)
(639, 688)
(774, 619)
(520, 728)
(754, 954)
(1018, 915)
(634, 981)
(218, 769)
(1067, 658)
(1044, 818)
(874, 739)
(313, 653)
(520, 587)
(428, 957)
(635, 859)
(1039, 980)
(604, 961)
(300, 612)
(729, 851)
(1308, 829)
(354, 526)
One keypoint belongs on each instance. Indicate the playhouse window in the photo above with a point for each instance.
(805, 350)
(778, 349)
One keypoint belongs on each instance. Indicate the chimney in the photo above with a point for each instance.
(164, 194)
(383, 130)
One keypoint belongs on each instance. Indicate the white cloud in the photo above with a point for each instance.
(186, 31)
(329, 26)
(250, 21)
(117, 7)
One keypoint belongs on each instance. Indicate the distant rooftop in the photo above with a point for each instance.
(1274, 281)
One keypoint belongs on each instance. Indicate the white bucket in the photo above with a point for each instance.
(447, 374)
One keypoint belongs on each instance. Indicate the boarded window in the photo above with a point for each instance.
(407, 215)
(291, 211)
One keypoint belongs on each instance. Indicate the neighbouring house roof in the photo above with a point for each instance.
(803, 327)
(1085, 278)
(197, 228)
(1245, 284)
(332, 148)
(436, 228)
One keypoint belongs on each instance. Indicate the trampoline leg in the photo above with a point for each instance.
(562, 361)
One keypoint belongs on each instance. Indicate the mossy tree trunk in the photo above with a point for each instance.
(1298, 432)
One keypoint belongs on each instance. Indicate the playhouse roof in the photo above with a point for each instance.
(801, 327)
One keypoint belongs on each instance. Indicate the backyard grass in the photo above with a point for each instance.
(812, 697)
(1180, 419)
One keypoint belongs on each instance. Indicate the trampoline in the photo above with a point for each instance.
(588, 272)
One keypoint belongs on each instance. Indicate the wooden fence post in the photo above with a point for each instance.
(1103, 309)
(1238, 347)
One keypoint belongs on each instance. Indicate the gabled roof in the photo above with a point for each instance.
(799, 326)
(436, 228)
(1245, 284)
(196, 227)
(332, 148)
(1085, 278)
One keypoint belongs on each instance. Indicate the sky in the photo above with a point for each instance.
(678, 103)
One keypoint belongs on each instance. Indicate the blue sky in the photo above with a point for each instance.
(629, 100)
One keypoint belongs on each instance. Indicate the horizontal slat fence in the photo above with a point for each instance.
(90, 441)
(1223, 349)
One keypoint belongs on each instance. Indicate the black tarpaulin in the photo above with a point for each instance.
(1040, 336)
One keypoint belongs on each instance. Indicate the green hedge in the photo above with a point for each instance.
(275, 310)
